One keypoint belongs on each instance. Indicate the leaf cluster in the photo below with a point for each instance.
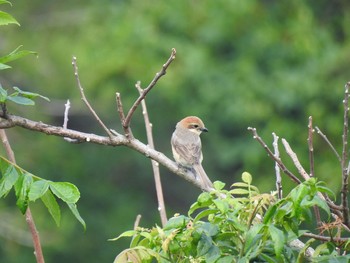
(239, 225)
(29, 188)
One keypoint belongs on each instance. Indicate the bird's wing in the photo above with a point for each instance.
(191, 153)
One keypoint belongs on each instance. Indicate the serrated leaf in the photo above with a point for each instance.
(38, 189)
(68, 192)
(204, 244)
(176, 222)
(221, 205)
(6, 19)
(21, 100)
(9, 178)
(22, 188)
(50, 202)
(74, 209)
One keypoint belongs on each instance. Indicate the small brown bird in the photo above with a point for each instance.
(187, 147)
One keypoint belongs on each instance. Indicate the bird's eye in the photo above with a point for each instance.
(195, 126)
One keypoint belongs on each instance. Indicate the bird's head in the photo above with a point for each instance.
(193, 124)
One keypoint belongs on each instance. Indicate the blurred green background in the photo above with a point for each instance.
(267, 64)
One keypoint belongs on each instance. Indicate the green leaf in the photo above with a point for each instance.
(204, 213)
(219, 185)
(74, 209)
(22, 188)
(277, 238)
(6, 19)
(4, 66)
(16, 54)
(221, 205)
(38, 189)
(247, 177)
(128, 233)
(3, 94)
(176, 222)
(204, 244)
(68, 192)
(9, 178)
(269, 214)
(21, 100)
(29, 95)
(50, 202)
(239, 191)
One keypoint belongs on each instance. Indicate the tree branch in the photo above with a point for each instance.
(277, 168)
(277, 160)
(344, 159)
(161, 73)
(116, 140)
(155, 165)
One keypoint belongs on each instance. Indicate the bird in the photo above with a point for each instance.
(187, 147)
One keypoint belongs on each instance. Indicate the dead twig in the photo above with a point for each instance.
(83, 97)
(277, 168)
(311, 147)
(324, 137)
(344, 159)
(277, 160)
(155, 165)
(158, 75)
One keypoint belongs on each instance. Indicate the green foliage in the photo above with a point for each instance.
(239, 225)
(29, 188)
(19, 96)
(6, 18)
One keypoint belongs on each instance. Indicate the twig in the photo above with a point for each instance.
(83, 97)
(117, 140)
(155, 165)
(344, 158)
(28, 215)
(311, 147)
(137, 222)
(158, 75)
(326, 239)
(277, 160)
(324, 137)
(277, 168)
(127, 130)
(312, 165)
(65, 122)
(295, 160)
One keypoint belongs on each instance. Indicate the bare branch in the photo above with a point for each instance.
(277, 160)
(116, 140)
(28, 215)
(344, 158)
(295, 160)
(161, 73)
(127, 130)
(311, 147)
(137, 222)
(324, 137)
(326, 239)
(65, 122)
(155, 165)
(277, 168)
(83, 97)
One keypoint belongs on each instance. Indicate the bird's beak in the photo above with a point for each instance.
(204, 129)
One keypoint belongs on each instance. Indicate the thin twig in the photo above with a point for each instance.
(83, 97)
(277, 160)
(127, 130)
(28, 215)
(155, 165)
(344, 158)
(65, 122)
(277, 168)
(311, 147)
(295, 160)
(326, 239)
(137, 222)
(324, 137)
(158, 75)
(312, 165)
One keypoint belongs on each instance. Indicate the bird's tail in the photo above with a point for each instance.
(202, 176)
